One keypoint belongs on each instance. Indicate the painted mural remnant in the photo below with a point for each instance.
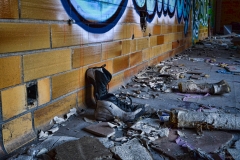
(200, 16)
(99, 16)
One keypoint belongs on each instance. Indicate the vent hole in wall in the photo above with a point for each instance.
(32, 94)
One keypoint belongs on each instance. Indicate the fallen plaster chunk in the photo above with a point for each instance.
(164, 132)
(207, 120)
(58, 120)
(42, 135)
(131, 150)
(73, 111)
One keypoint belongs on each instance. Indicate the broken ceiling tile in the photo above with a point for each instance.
(100, 129)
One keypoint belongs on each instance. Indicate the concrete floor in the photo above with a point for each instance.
(229, 103)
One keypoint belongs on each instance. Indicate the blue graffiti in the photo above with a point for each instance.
(99, 16)
(199, 16)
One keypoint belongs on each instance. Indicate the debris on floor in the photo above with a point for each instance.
(172, 131)
(100, 129)
(84, 148)
(133, 149)
(205, 120)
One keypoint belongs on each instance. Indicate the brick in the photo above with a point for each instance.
(146, 54)
(109, 65)
(67, 82)
(175, 44)
(9, 9)
(120, 63)
(163, 57)
(153, 41)
(46, 63)
(157, 50)
(157, 30)
(68, 35)
(174, 28)
(103, 37)
(142, 66)
(137, 31)
(153, 61)
(47, 10)
(18, 132)
(21, 37)
(142, 43)
(13, 101)
(171, 37)
(166, 29)
(134, 45)
(81, 98)
(129, 73)
(10, 71)
(43, 116)
(126, 47)
(160, 39)
(111, 50)
(135, 58)
(44, 88)
(116, 81)
(123, 31)
(86, 55)
(166, 47)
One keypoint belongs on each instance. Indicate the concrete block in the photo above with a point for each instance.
(133, 149)
(153, 41)
(18, 132)
(120, 63)
(10, 72)
(126, 47)
(160, 39)
(68, 35)
(109, 65)
(137, 31)
(116, 80)
(135, 58)
(123, 31)
(65, 83)
(13, 101)
(43, 116)
(146, 54)
(86, 55)
(9, 9)
(157, 29)
(44, 91)
(111, 50)
(23, 36)
(49, 10)
(142, 43)
(46, 63)
(133, 45)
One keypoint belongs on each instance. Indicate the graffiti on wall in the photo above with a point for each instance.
(200, 16)
(99, 16)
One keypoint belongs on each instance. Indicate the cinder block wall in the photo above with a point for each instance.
(43, 61)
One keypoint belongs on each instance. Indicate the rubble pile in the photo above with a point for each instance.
(176, 133)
